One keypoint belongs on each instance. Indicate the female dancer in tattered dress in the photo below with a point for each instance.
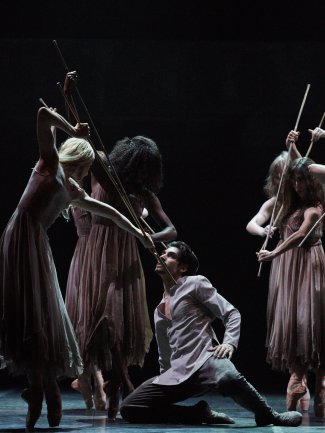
(256, 224)
(114, 328)
(82, 220)
(296, 301)
(36, 335)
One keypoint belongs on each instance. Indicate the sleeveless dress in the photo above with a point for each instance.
(35, 330)
(296, 301)
(112, 293)
(82, 220)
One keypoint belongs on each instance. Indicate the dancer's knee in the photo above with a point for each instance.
(230, 382)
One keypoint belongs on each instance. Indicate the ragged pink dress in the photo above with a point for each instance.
(82, 220)
(296, 302)
(112, 291)
(35, 330)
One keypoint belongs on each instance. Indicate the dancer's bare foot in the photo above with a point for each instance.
(84, 387)
(112, 390)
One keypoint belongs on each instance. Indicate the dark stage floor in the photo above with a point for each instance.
(77, 419)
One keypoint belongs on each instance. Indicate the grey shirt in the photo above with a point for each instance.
(183, 342)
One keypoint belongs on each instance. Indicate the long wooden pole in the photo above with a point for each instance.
(282, 176)
(115, 179)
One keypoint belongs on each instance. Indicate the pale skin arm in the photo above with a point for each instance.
(318, 170)
(317, 133)
(255, 225)
(84, 201)
(70, 82)
(311, 215)
(168, 231)
(46, 120)
(293, 138)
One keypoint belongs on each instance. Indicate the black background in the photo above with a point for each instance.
(217, 85)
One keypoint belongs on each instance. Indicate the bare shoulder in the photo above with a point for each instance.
(153, 205)
(313, 212)
(151, 199)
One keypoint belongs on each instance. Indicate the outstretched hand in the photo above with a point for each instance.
(223, 350)
(77, 192)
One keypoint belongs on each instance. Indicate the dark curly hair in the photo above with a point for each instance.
(314, 188)
(138, 163)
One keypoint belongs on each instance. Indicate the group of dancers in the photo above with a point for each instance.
(103, 325)
(107, 324)
(295, 338)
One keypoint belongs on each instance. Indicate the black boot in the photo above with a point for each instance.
(248, 397)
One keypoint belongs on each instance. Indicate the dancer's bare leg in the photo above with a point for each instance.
(83, 385)
(297, 386)
(53, 398)
(319, 404)
(99, 394)
(33, 395)
(304, 402)
(120, 382)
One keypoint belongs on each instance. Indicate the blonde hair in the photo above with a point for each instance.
(270, 188)
(76, 151)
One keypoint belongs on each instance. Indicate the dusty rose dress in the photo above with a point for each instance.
(82, 220)
(112, 291)
(35, 330)
(296, 302)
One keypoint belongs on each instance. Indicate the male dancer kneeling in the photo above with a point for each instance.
(189, 365)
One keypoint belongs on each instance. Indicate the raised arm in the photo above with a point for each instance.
(317, 133)
(70, 82)
(168, 231)
(46, 119)
(291, 139)
(318, 170)
(255, 225)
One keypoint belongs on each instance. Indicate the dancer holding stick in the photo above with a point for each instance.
(282, 176)
(36, 336)
(296, 300)
(255, 226)
(112, 324)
